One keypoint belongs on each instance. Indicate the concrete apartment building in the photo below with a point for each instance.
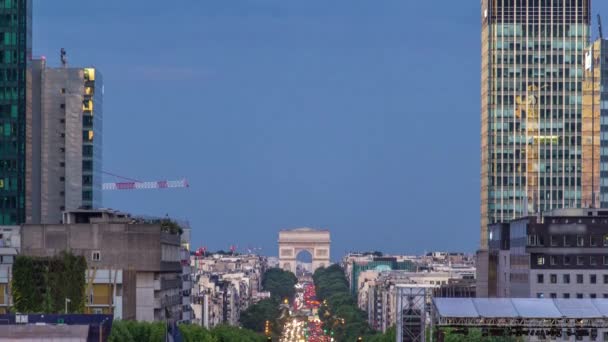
(65, 149)
(134, 268)
(224, 286)
(561, 254)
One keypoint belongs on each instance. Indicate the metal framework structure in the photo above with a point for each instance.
(411, 313)
(522, 316)
(183, 183)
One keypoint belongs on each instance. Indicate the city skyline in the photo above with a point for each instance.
(278, 125)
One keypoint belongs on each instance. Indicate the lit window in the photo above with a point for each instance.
(89, 74)
(580, 241)
(540, 260)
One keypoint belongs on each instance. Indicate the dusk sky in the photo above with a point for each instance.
(357, 116)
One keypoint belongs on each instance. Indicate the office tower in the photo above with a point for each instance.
(15, 54)
(531, 97)
(595, 125)
(66, 140)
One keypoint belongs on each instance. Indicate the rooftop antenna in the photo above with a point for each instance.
(64, 58)
(599, 23)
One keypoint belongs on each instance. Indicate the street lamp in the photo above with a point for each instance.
(67, 301)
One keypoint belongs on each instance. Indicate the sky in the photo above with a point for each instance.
(361, 117)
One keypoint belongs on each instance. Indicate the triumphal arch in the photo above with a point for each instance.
(292, 242)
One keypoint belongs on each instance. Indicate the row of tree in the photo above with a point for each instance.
(281, 285)
(131, 331)
(339, 312)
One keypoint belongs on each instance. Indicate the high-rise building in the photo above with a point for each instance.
(66, 141)
(15, 54)
(532, 124)
(595, 125)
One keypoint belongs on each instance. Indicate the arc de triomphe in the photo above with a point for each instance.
(292, 242)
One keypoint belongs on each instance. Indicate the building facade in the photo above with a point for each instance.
(561, 254)
(134, 266)
(595, 125)
(531, 99)
(66, 141)
(15, 54)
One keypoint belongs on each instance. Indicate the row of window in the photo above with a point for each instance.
(565, 279)
(567, 260)
(567, 295)
(568, 240)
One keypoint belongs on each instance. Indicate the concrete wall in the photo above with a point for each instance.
(122, 246)
(145, 296)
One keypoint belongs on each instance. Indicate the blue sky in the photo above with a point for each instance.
(357, 116)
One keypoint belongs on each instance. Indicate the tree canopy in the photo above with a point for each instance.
(280, 284)
(339, 311)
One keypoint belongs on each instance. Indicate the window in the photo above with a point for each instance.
(592, 295)
(540, 278)
(540, 295)
(553, 260)
(62, 106)
(566, 241)
(579, 295)
(593, 278)
(566, 279)
(96, 255)
(62, 164)
(553, 295)
(579, 278)
(540, 260)
(62, 179)
(566, 295)
(605, 295)
(532, 240)
(63, 90)
(554, 241)
(580, 241)
(593, 241)
(593, 260)
(553, 278)
(605, 260)
(580, 260)
(606, 240)
(566, 260)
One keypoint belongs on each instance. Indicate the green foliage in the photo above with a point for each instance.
(475, 335)
(389, 336)
(131, 331)
(339, 311)
(194, 333)
(168, 226)
(41, 285)
(280, 284)
(255, 317)
(226, 333)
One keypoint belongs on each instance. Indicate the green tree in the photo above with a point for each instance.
(193, 333)
(255, 317)
(280, 283)
(226, 333)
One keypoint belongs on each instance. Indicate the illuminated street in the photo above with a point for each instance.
(304, 326)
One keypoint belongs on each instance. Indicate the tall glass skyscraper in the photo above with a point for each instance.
(15, 54)
(533, 54)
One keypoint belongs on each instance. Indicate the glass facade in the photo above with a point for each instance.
(593, 110)
(92, 108)
(531, 94)
(15, 54)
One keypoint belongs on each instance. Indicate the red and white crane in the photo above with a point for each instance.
(133, 184)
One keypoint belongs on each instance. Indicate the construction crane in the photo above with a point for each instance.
(133, 184)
